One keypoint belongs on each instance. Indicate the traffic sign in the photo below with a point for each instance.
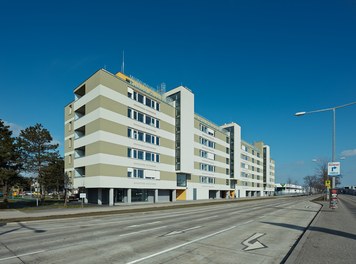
(333, 168)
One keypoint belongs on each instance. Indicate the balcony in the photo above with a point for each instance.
(79, 172)
(79, 152)
(80, 112)
(79, 133)
(79, 92)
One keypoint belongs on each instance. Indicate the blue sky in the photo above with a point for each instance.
(253, 62)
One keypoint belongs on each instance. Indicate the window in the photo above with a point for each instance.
(181, 180)
(70, 142)
(203, 154)
(140, 154)
(70, 124)
(148, 120)
(207, 142)
(207, 130)
(148, 156)
(203, 128)
(207, 167)
(142, 136)
(149, 102)
(142, 118)
(205, 179)
(149, 138)
(140, 98)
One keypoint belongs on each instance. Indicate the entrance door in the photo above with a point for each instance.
(194, 193)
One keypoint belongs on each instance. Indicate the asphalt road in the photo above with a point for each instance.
(261, 231)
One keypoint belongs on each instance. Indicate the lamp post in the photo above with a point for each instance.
(333, 109)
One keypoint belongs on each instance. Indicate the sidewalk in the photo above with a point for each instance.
(331, 237)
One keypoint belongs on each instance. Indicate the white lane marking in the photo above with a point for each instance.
(177, 232)
(152, 223)
(141, 231)
(187, 243)
(22, 255)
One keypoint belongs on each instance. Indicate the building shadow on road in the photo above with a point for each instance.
(316, 229)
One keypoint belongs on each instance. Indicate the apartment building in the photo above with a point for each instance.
(126, 142)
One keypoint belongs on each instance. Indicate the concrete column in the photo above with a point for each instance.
(99, 197)
(218, 195)
(128, 195)
(174, 195)
(86, 196)
(156, 196)
(111, 197)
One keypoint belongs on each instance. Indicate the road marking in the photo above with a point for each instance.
(181, 231)
(141, 231)
(187, 243)
(252, 243)
(22, 255)
(152, 223)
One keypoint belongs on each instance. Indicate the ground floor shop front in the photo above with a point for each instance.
(116, 196)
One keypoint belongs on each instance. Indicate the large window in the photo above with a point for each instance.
(182, 180)
(142, 99)
(207, 142)
(207, 167)
(142, 155)
(207, 130)
(143, 118)
(142, 136)
(205, 179)
(143, 174)
(207, 155)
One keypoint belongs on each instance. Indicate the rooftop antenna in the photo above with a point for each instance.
(123, 62)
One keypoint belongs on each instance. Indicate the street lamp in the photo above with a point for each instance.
(334, 129)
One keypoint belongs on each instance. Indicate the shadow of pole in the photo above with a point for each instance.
(316, 229)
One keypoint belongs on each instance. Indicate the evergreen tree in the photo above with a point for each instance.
(52, 176)
(37, 149)
(9, 158)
